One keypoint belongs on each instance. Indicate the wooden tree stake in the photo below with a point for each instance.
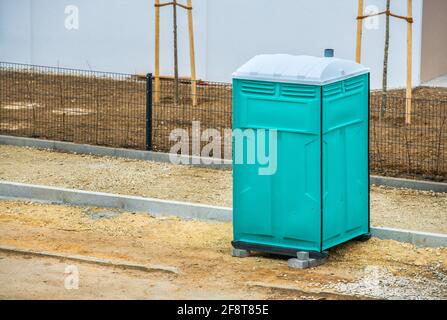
(192, 55)
(157, 76)
(409, 20)
(358, 55)
(409, 94)
(157, 52)
(385, 62)
(176, 84)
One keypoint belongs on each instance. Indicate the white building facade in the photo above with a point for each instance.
(118, 35)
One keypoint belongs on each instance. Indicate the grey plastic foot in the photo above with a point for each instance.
(240, 253)
(304, 261)
(364, 237)
(303, 255)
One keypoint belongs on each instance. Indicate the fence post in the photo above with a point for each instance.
(149, 111)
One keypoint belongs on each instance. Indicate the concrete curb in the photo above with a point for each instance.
(409, 184)
(90, 260)
(299, 292)
(419, 239)
(213, 163)
(156, 207)
(192, 160)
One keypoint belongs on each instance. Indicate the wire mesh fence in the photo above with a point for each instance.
(113, 109)
(79, 106)
(211, 109)
(415, 149)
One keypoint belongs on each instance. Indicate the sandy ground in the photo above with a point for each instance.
(405, 209)
(199, 251)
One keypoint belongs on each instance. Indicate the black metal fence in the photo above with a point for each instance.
(81, 106)
(123, 110)
(418, 148)
(210, 107)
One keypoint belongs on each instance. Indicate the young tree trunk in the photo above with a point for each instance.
(385, 61)
(176, 82)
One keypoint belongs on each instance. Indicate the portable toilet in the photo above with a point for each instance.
(318, 197)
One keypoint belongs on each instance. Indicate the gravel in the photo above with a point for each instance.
(396, 208)
(380, 283)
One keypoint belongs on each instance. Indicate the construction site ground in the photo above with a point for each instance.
(191, 260)
(397, 208)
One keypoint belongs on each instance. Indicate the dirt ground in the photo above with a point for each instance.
(199, 252)
(406, 209)
(104, 108)
(417, 149)
(111, 110)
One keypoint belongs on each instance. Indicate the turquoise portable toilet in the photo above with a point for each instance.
(318, 196)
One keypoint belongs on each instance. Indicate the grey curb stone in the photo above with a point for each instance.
(304, 261)
(298, 264)
(240, 253)
(419, 239)
(409, 184)
(157, 207)
(316, 262)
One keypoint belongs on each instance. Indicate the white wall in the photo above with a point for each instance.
(117, 35)
(15, 30)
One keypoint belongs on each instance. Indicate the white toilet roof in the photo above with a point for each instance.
(298, 69)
